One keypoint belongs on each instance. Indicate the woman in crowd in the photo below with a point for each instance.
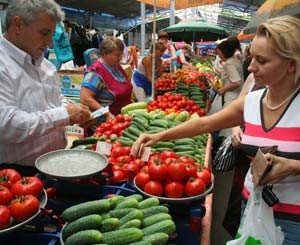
(142, 77)
(106, 83)
(269, 115)
(170, 52)
(181, 57)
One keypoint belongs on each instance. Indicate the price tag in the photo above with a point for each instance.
(99, 112)
(145, 153)
(103, 148)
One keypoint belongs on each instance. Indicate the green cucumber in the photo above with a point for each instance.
(92, 221)
(137, 125)
(139, 120)
(138, 197)
(85, 141)
(180, 148)
(134, 131)
(130, 202)
(153, 219)
(148, 202)
(122, 236)
(140, 243)
(127, 134)
(135, 214)
(166, 226)
(92, 207)
(155, 210)
(185, 153)
(133, 106)
(119, 213)
(84, 237)
(134, 223)
(109, 224)
(115, 200)
(158, 238)
(159, 123)
(161, 149)
(164, 144)
(125, 141)
(185, 141)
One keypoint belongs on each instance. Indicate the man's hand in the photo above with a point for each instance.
(78, 113)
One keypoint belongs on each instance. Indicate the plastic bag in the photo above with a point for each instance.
(257, 224)
(216, 101)
(226, 156)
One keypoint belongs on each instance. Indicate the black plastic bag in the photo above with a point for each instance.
(226, 157)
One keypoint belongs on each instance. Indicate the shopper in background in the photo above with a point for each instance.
(270, 117)
(170, 53)
(132, 57)
(32, 110)
(181, 57)
(106, 83)
(142, 77)
(235, 43)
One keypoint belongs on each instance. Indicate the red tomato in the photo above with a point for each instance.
(186, 160)
(130, 169)
(24, 207)
(167, 154)
(5, 196)
(116, 128)
(154, 188)
(107, 133)
(115, 144)
(158, 172)
(191, 170)
(139, 162)
(170, 160)
(107, 125)
(51, 192)
(123, 159)
(174, 189)
(127, 150)
(27, 186)
(118, 176)
(8, 177)
(141, 179)
(205, 175)
(4, 217)
(194, 187)
(117, 151)
(119, 118)
(177, 171)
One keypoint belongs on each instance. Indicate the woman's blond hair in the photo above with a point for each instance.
(284, 35)
(110, 44)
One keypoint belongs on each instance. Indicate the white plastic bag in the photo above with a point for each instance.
(257, 224)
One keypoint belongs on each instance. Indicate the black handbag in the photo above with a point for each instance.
(226, 157)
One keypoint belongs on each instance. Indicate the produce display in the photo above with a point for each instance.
(118, 220)
(19, 197)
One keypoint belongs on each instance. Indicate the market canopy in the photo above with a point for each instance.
(270, 9)
(179, 4)
(195, 31)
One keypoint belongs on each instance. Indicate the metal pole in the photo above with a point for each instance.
(172, 12)
(153, 50)
(143, 15)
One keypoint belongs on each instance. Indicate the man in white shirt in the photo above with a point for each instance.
(33, 113)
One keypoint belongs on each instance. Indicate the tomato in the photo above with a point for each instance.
(51, 192)
(119, 118)
(174, 189)
(177, 171)
(4, 217)
(107, 125)
(141, 179)
(5, 196)
(170, 160)
(194, 187)
(27, 186)
(205, 175)
(127, 150)
(116, 128)
(139, 162)
(154, 188)
(118, 176)
(158, 172)
(117, 151)
(124, 159)
(130, 169)
(24, 207)
(8, 177)
(167, 154)
(186, 160)
(107, 133)
(115, 144)
(191, 170)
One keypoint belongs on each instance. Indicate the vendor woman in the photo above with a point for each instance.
(106, 83)
(142, 77)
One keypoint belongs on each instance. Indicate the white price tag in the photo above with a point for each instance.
(103, 148)
(145, 153)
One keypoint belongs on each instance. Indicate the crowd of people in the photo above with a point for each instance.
(262, 111)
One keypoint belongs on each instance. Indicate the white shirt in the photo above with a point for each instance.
(32, 116)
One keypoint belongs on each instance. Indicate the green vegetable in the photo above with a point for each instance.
(127, 134)
(181, 148)
(92, 221)
(133, 106)
(92, 207)
(119, 213)
(134, 223)
(128, 203)
(122, 236)
(164, 144)
(160, 123)
(155, 210)
(148, 202)
(182, 116)
(135, 131)
(166, 226)
(141, 243)
(153, 219)
(185, 141)
(84, 237)
(158, 238)
(85, 141)
(138, 197)
(135, 214)
(125, 141)
(115, 200)
(109, 224)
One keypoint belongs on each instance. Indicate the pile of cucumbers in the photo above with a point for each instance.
(118, 220)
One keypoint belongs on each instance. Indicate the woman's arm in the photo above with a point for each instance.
(147, 62)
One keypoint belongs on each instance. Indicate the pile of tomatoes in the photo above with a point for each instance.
(114, 127)
(165, 84)
(18, 197)
(172, 176)
(175, 103)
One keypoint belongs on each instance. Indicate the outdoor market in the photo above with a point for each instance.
(149, 122)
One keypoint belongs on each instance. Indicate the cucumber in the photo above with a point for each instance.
(139, 120)
(85, 141)
(84, 237)
(184, 141)
(161, 149)
(92, 221)
(155, 210)
(109, 224)
(148, 202)
(154, 131)
(155, 128)
(180, 148)
(160, 123)
(185, 153)
(141, 243)
(133, 106)
(135, 214)
(134, 223)
(122, 236)
(153, 219)
(158, 238)
(130, 202)
(105, 215)
(164, 144)
(127, 134)
(125, 141)
(166, 226)
(115, 200)
(138, 197)
(134, 131)
(119, 213)
(92, 207)
(137, 125)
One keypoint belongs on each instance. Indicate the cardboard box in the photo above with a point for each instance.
(71, 82)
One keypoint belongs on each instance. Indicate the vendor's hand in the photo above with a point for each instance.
(109, 116)
(142, 141)
(78, 113)
(236, 136)
(281, 168)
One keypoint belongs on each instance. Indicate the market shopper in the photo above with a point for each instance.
(142, 77)
(32, 110)
(270, 118)
(106, 83)
(170, 53)
(181, 57)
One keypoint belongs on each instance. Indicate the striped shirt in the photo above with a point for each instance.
(286, 135)
(32, 118)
